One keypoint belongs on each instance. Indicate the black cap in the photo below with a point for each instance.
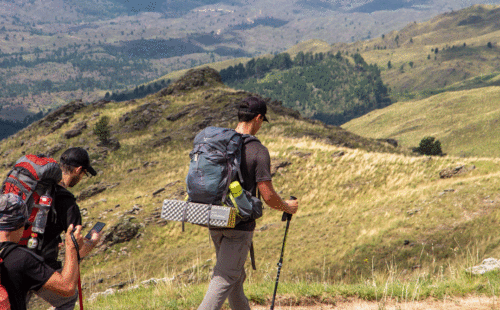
(254, 105)
(77, 157)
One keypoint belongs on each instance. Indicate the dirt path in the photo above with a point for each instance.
(470, 303)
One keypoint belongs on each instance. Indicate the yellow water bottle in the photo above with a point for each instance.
(241, 200)
(235, 188)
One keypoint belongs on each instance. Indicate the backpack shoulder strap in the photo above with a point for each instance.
(6, 248)
(249, 138)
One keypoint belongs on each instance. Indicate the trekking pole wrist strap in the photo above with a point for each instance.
(77, 247)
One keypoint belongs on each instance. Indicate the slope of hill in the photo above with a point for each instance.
(466, 122)
(369, 213)
(450, 48)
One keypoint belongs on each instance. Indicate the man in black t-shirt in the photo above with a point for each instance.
(75, 164)
(232, 245)
(22, 270)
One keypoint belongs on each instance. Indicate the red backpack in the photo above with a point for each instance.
(4, 296)
(31, 177)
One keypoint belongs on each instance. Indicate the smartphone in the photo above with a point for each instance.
(97, 228)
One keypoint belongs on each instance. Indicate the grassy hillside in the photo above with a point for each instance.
(374, 221)
(466, 122)
(450, 48)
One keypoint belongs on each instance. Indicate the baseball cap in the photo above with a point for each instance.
(77, 157)
(13, 212)
(254, 105)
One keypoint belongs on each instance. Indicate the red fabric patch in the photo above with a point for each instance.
(11, 188)
(41, 161)
(22, 183)
(30, 168)
(36, 197)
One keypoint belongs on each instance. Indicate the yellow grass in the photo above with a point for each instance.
(353, 208)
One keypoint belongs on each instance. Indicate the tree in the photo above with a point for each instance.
(411, 64)
(358, 59)
(389, 65)
(490, 45)
(102, 130)
(429, 146)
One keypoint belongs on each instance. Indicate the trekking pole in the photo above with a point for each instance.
(80, 294)
(77, 248)
(285, 217)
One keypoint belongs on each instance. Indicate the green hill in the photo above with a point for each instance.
(374, 221)
(466, 122)
(325, 87)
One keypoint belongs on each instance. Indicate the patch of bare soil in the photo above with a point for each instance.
(469, 303)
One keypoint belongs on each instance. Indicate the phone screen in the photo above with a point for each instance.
(97, 228)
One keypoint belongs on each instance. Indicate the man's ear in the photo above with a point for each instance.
(79, 170)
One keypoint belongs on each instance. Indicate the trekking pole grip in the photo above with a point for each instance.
(287, 216)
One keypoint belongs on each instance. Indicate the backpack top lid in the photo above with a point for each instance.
(32, 174)
(223, 140)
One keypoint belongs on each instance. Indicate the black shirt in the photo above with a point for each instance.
(64, 213)
(23, 271)
(255, 167)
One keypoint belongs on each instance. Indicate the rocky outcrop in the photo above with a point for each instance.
(94, 190)
(489, 264)
(76, 130)
(56, 148)
(193, 79)
(279, 166)
(142, 117)
(125, 230)
(61, 116)
(451, 172)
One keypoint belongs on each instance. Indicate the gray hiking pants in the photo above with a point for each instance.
(231, 248)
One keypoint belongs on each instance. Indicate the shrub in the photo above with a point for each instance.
(429, 146)
(101, 129)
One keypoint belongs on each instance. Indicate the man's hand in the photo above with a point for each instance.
(78, 237)
(88, 245)
(293, 205)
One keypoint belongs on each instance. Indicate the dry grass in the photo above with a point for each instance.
(356, 210)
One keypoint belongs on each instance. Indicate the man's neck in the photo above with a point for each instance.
(245, 128)
(5, 236)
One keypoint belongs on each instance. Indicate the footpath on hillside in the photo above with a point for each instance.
(469, 303)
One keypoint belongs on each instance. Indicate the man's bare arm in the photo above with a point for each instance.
(274, 200)
(65, 283)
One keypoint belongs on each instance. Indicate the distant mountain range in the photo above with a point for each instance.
(81, 49)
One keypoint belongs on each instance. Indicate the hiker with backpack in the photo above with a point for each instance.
(232, 245)
(75, 164)
(22, 270)
(42, 184)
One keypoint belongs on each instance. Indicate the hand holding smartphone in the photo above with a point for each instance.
(97, 228)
